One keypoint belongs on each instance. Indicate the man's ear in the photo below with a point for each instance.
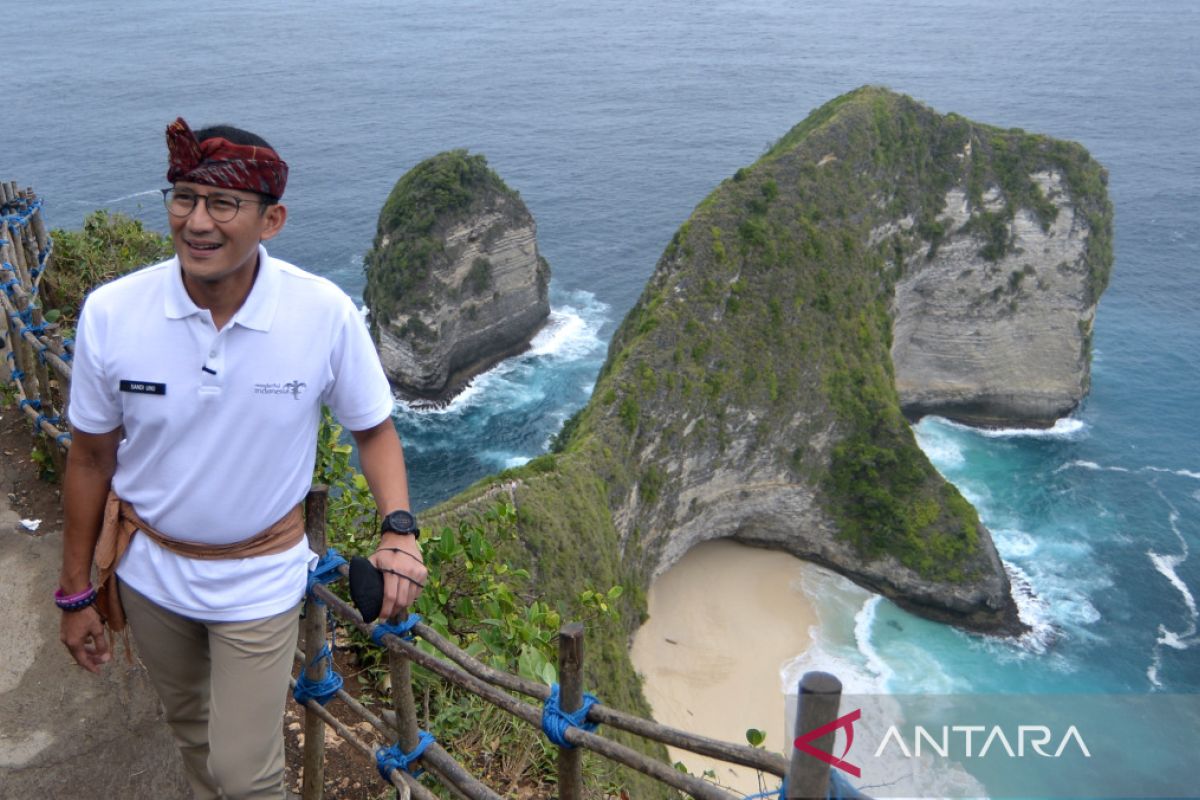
(273, 220)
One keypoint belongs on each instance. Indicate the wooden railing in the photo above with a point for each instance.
(807, 777)
(36, 356)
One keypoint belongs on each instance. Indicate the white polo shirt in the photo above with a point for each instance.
(220, 426)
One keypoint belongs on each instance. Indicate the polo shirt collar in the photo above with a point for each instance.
(256, 313)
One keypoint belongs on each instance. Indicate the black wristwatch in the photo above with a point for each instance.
(400, 522)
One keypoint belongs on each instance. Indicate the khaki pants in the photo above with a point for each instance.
(224, 686)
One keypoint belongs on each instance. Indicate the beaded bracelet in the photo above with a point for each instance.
(75, 602)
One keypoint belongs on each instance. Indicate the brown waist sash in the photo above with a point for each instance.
(121, 522)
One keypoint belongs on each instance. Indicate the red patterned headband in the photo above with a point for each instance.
(220, 162)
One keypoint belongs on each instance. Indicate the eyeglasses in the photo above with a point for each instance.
(221, 207)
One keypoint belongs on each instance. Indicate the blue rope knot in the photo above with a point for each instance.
(62, 439)
(555, 721)
(403, 629)
(34, 403)
(34, 329)
(322, 690)
(390, 758)
(17, 374)
(326, 571)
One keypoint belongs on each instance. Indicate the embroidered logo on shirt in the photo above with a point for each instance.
(143, 387)
(294, 388)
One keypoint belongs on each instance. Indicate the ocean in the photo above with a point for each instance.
(613, 120)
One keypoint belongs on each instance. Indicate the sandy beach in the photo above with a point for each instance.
(723, 621)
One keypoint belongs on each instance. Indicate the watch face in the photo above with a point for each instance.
(400, 522)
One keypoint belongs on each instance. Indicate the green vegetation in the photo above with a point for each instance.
(108, 246)
(407, 244)
(476, 598)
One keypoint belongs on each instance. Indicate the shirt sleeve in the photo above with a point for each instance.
(94, 406)
(360, 395)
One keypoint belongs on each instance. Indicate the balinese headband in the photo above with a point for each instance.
(219, 162)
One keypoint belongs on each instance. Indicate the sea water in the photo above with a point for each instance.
(614, 120)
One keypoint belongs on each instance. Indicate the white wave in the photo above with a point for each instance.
(1183, 473)
(1089, 465)
(1033, 610)
(939, 447)
(1065, 428)
(1166, 565)
(571, 334)
(864, 621)
(1014, 543)
(123, 198)
(566, 335)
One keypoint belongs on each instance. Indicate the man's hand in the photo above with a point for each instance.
(399, 559)
(83, 634)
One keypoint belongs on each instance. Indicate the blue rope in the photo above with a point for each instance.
(62, 439)
(403, 629)
(34, 403)
(17, 375)
(9, 284)
(326, 571)
(34, 329)
(7, 267)
(555, 721)
(322, 690)
(390, 758)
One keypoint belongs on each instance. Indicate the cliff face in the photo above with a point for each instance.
(455, 282)
(1003, 340)
(751, 392)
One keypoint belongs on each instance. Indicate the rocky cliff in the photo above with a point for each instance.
(994, 310)
(455, 282)
(751, 392)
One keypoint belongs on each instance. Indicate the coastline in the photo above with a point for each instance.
(723, 622)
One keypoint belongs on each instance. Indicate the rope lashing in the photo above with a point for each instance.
(62, 439)
(390, 758)
(322, 690)
(37, 424)
(35, 404)
(326, 571)
(403, 629)
(555, 721)
(16, 374)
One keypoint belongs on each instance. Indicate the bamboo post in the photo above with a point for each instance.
(808, 777)
(313, 780)
(570, 681)
(400, 669)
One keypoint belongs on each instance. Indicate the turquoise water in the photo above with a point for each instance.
(613, 121)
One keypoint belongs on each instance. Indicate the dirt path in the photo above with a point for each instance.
(64, 733)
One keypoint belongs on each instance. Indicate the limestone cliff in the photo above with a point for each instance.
(455, 282)
(993, 322)
(751, 391)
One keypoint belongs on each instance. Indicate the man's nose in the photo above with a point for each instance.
(199, 219)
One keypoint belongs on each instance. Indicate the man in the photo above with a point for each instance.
(195, 401)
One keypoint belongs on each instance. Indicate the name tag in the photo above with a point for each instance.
(143, 387)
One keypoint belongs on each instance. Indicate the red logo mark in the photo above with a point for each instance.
(847, 722)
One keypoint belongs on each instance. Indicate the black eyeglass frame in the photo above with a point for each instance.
(169, 197)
